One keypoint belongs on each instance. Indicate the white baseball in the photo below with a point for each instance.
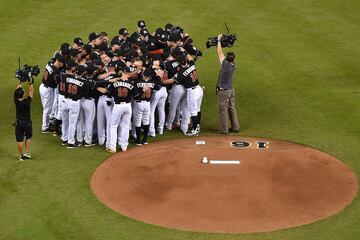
(205, 160)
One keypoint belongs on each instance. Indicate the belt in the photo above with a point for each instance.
(121, 102)
(194, 87)
(142, 100)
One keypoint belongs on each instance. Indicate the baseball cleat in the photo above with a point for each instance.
(63, 143)
(110, 150)
(70, 146)
(46, 130)
(89, 144)
(193, 133)
(138, 143)
(144, 142)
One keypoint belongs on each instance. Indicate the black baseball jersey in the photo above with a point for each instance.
(60, 79)
(92, 93)
(77, 88)
(122, 91)
(187, 76)
(49, 75)
(152, 84)
(172, 67)
(192, 50)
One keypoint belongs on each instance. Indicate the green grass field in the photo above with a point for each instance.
(297, 79)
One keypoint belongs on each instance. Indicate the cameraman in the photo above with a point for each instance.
(23, 125)
(226, 92)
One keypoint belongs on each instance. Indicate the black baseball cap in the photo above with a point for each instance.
(74, 52)
(125, 69)
(144, 32)
(70, 63)
(159, 32)
(168, 26)
(147, 72)
(181, 59)
(88, 48)
(141, 24)
(80, 69)
(103, 47)
(65, 49)
(93, 36)
(90, 67)
(174, 37)
(78, 41)
(123, 31)
(59, 57)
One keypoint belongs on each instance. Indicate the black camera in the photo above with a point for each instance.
(226, 41)
(27, 72)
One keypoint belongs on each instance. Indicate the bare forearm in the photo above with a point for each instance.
(31, 89)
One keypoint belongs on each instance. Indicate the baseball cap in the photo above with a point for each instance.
(93, 36)
(181, 59)
(141, 24)
(174, 37)
(94, 56)
(59, 57)
(78, 41)
(144, 32)
(123, 31)
(103, 47)
(65, 48)
(168, 26)
(159, 32)
(80, 69)
(88, 48)
(147, 72)
(74, 52)
(71, 63)
(125, 69)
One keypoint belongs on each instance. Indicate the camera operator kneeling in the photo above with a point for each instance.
(23, 125)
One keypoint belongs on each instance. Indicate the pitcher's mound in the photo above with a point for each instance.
(277, 184)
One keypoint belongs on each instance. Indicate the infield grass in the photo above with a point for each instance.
(297, 79)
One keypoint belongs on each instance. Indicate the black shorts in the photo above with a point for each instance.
(23, 129)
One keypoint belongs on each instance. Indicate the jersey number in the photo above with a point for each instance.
(72, 89)
(122, 92)
(147, 94)
(62, 87)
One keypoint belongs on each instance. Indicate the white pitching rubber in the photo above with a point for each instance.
(224, 161)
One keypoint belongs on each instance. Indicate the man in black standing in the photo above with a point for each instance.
(23, 124)
(226, 92)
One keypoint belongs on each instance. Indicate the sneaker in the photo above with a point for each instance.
(21, 158)
(144, 142)
(193, 133)
(26, 156)
(46, 130)
(89, 144)
(138, 143)
(63, 143)
(69, 145)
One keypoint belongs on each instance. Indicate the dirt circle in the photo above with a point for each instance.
(279, 186)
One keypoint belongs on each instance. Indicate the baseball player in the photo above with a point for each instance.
(122, 90)
(75, 89)
(141, 112)
(187, 77)
(177, 98)
(84, 131)
(47, 90)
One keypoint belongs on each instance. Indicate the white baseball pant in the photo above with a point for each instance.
(47, 100)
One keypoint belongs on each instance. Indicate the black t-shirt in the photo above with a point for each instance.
(187, 76)
(122, 91)
(152, 84)
(77, 88)
(49, 76)
(60, 79)
(23, 109)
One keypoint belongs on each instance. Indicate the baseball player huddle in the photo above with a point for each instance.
(103, 91)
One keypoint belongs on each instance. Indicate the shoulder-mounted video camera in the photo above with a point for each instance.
(226, 40)
(24, 74)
